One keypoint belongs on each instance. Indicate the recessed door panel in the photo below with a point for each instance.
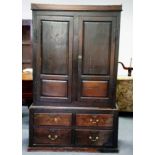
(55, 40)
(54, 88)
(94, 88)
(96, 47)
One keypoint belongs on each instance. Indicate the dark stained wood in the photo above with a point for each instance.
(75, 54)
(53, 42)
(94, 137)
(54, 88)
(84, 109)
(55, 47)
(44, 112)
(51, 136)
(52, 119)
(72, 149)
(95, 77)
(73, 85)
(113, 92)
(96, 47)
(94, 88)
(35, 6)
(96, 54)
(54, 77)
(103, 120)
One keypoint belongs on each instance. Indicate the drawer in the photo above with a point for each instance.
(64, 119)
(102, 120)
(52, 136)
(94, 137)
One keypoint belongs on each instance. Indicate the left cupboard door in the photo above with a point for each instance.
(52, 59)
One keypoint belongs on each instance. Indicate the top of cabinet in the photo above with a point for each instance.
(35, 6)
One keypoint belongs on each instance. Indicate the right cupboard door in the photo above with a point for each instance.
(96, 57)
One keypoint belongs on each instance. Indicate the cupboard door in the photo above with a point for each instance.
(96, 59)
(53, 37)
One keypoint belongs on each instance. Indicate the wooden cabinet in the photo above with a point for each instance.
(75, 53)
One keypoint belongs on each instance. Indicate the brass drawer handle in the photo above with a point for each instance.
(93, 139)
(52, 138)
(94, 121)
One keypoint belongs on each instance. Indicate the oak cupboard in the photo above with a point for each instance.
(75, 54)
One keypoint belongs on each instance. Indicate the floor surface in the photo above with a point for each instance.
(125, 139)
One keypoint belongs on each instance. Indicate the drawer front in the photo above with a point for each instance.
(94, 137)
(102, 120)
(52, 136)
(53, 119)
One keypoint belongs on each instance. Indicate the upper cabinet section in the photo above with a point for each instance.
(75, 54)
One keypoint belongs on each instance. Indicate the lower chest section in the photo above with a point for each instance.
(73, 128)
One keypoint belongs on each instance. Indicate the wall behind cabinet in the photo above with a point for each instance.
(125, 49)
